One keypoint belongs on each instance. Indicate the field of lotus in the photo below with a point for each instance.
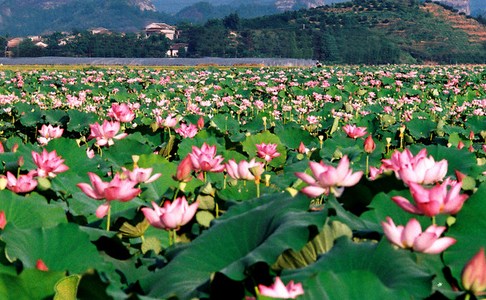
(339, 182)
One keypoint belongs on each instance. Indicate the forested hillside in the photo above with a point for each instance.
(364, 31)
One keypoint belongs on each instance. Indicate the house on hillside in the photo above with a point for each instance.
(176, 48)
(169, 31)
(99, 30)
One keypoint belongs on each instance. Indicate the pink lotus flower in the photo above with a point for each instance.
(104, 134)
(267, 151)
(187, 131)
(172, 215)
(419, 169)
(474, 274)
(205, 159)
(280, 290)
(184, 170)
(24, 184)
(412, 237)
(48, 163)
(244, 170)
(121, 113)
(117, 189)
(48, 132)
(353, 131)
(436, 200)
(140, 175)
(327, 179)
(169, 121)
(2, 150)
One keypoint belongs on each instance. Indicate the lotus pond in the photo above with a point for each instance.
(239, 183)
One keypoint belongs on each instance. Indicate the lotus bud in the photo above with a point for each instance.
(3, 220)
(15, 147)
(200, 123)
(460, 145)
(21, 161)
(41, 266)
(369, 144)
(471, 135)
(184, 170)
(474, 274)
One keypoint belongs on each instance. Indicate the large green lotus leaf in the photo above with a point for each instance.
(469, 231)
(30, 284)
(342, 144)
(249, 146)
(78, 162)
(352, 285)
(55, 116)
(79, 121)
(62, 248)
(395, 269)
(225, 123)
(292, 135)
(421, 128)
(120, 154)
(255, 231)
(475, 123)
(30, 211)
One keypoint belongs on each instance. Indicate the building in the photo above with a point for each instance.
(176, 48)
(169, 31)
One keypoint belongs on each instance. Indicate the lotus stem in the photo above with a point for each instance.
(367, 171)
(257, 184)
(108, 219)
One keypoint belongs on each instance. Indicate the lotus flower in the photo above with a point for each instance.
(205, 159)
(172, 215)
(48, 132)
(474, 274)
(280, 290)
(353, 131)
(436, 200)
(48, 163)
(244, 170)
(267, 151)
(327, 179)
(169, 121)
(140, 175)
(121, 113)
(412, 237)
(23, 184)
(117, 189)
(187, 131)
(106, 133)
(419, 169)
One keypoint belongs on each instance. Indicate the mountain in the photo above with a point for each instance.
(356, 32)
(34, 17)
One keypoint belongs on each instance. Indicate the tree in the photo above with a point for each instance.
(232, 21)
